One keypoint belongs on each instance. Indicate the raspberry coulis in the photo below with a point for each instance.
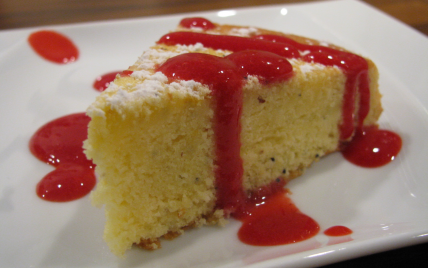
(372, 147)
(59, 143)
(197, 23)
(53, 46)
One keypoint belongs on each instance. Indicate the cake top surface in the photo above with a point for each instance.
(142, 83)
(147, 83)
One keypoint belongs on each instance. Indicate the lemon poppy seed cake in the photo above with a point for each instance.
(210, 115)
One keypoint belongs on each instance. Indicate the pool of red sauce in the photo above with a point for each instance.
(372, 147)
(53, 46)
(268, 215)
(338, 230)
(59, 143)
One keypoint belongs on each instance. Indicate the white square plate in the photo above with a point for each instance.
(385, 207)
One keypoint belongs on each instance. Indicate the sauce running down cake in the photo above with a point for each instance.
(213, 116)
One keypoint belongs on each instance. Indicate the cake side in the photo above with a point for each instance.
(287, 126)
(152, 143)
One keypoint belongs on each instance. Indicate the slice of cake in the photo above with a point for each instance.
(212, 114)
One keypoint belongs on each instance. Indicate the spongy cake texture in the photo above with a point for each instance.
(152, 141)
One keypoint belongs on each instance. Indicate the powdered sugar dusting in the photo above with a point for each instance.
(151, 88)
(147, 62)
(324, 44)
(303, 53)
(244, 32)
(305, 67)
(190, 87)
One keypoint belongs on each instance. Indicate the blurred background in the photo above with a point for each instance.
(27, 13)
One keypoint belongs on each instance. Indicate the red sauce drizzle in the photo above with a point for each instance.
(262, 224)
(53, 46)
(338, 230)
(225, 81)
(227, 42)
(59, 143)
(197, 23)
(258, 197)
(355, 67)
(103, 81)
(225, 78)
(372, 147)
(356, 70)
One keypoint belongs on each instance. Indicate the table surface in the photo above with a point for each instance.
(27, 13)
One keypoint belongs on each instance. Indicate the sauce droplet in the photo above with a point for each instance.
(197, 23)
(338, 230)
(228, 42)
(59, 143)
(66, 183)
(53, 46)
(372, 147)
